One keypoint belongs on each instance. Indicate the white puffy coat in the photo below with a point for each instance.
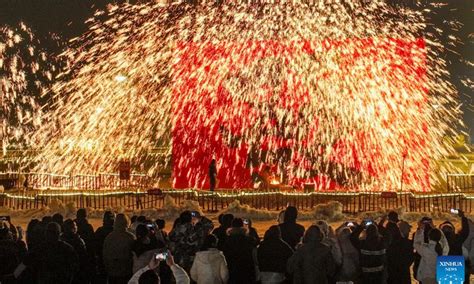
(210, 267)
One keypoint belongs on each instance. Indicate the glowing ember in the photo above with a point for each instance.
(23, 70)
(339, 92)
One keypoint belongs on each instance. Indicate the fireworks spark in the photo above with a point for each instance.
(23, 72)
(340, 89)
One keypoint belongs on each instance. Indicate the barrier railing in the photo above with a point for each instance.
(352, 202)
(460, 182)
(77, 182)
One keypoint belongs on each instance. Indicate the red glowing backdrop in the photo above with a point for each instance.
(201, 113)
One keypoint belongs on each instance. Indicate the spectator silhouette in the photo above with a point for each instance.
(86, 232)
(291, 232)
(273, 254)
(429, 252)
(456, 240)
(209, 266)
(349, 269)
(99, 237)
(185, 241)
(11, 253)
(252, 232)
(330, 240)
(117, 252)
(202, 227)
(212, 175)
(240, 253)
(372, 252)
(312, 262)
(54, 261)
(160, 233)
(33, 234)
(400, 256)
(144, 247)
(58, 218)
(221, 231)
(426, 224)
(71, 237)
(84, 229)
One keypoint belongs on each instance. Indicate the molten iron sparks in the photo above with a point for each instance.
(340, 92)
(23, 70)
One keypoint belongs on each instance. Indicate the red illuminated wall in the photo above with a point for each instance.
(199, 113)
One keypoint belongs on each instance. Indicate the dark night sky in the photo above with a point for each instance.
(65, 18)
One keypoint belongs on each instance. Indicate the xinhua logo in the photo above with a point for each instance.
(450, 269)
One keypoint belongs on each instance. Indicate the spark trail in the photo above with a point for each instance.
(24, 73)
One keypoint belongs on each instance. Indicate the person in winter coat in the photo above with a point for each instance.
(160, 234)
(241, 254)
(400, 256)
(84, 229)
(372, 251)
(71, 237)
(185, 241)
(329, 239)
(273, 254)
(117, 251)
(33, 238)
(144, 247)
(456, 240)
(11, 254)
(221, 231)
(202, 227)
(291, 232)
(210, 266)
(349, 269)
(429, 253)
(54, 261)
(86, 232)
(252, 232)
(312, 262)
(99, 237)
(427, 225)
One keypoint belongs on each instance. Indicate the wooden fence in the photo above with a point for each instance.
(460, 183)
(100, 181)
(352, 202)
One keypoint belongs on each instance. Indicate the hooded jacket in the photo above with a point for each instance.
(311, 263)
(427, 267)
(330, 241)
(210, 267)
(241, 256)
(349, 268)
(117, 251)
(456, 240)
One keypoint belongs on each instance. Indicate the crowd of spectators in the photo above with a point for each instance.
(194, 251)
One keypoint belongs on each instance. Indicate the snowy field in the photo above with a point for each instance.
(262, 219)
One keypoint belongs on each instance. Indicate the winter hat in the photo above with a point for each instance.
(405, 228)
(237, 223)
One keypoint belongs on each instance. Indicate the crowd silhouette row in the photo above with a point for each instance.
(194, 251)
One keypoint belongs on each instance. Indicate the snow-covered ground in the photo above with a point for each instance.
(262, 219)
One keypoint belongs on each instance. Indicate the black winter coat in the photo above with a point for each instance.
(54, 262)
(240, 253)
(273, 254)
(312, 263)
(400, 256)
(291, 233)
